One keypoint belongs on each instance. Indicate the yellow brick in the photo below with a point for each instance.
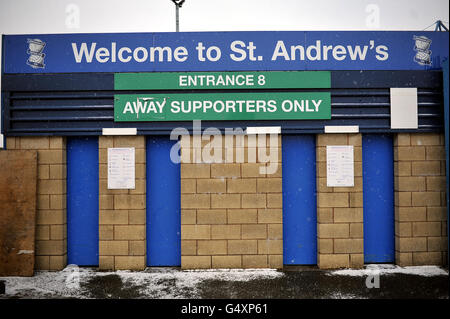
(34, 143)
(57, 171)
(325, 215)
(351, 215)
(427, 258)
(426, 168)
(195, 171)
(333, 200)
(355, 139)
(211, 247)
(254, 261)
(271, 247)
(225, 200)
(333, 231)
(195, 201)
(106, 201)
(225, 170)
(250, 231)
(42, 262)
(43, 202)
(137, 217)
(356, 260)
(42, 232)
(426, 228)
(403, 199)
(129, 262)
(408, 214)
(225, 231)
(239, 247)
(348, 246)
(106, 141)
(140, 156)
(50, 247)
(51, 157)
(57, 232)
(48, 186)
(436, 183)
(410, 184)
(276, 261)
(106, 232)
(211, 186)
(129, 201)
(140, 187)
(188, 186)
(435, 153)
(11, 143)
(224, 262)
(188, 216)
(356, 230)
(129, 232)
(274, 231)
(412, 244)
(332, 139)
(242, 216)
(325, 246)
(426, 199)
(251, 169)
(403, 229)
(270, 216)
(437, 244)
(188, 247)
(195, 231)
(253, 200)
(241, 185)
(58, 262)
(111, 217)
(50, 217)
(106, 262)
(211, 216)
(331, 261)
(402, 139)
(137, 248)
(404, 168)
(113, 248)
(410, 153)
(436, 214)
(403, 259)
(43, 171)
(195, 262)
(269, 185)
(129, 141)
(57, 142)
(274, 200)
(425, 139)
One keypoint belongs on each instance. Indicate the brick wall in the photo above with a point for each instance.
(420, 203)
(122, 213)
(339, 209)
(51, 218)
(231, 215)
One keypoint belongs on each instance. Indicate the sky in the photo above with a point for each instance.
(96, 16)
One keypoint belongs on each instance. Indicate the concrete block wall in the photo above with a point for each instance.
(420, 199)
(122, 213)
(51, 214)
(339, 209)
(231, 214)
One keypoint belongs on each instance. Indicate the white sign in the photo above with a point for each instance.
(121, 168)
(340, 168)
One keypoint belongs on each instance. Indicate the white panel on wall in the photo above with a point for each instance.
(404, 108)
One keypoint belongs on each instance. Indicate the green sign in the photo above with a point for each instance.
(222, 80)
(222, 106)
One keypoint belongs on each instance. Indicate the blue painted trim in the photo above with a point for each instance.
(299, 200)
(82, 201)
(378, 198)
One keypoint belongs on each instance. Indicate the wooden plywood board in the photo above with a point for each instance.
(18, 182)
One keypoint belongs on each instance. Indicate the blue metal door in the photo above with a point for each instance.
(378, 198)
(163, 204)
(82, 201)
(299, 200)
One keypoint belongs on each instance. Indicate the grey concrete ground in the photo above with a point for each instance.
(373, 282)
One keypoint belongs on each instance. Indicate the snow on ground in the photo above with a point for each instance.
(156, 283)
(371, 269)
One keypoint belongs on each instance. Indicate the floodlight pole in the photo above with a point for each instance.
(178, 4)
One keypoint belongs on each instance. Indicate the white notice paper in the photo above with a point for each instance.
(121, 168)
(340, 168)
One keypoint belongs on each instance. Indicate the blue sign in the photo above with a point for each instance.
(225, 51)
